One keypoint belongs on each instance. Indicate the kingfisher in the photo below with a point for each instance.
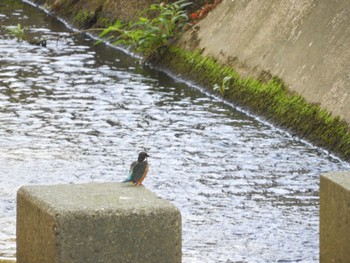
(138, 170)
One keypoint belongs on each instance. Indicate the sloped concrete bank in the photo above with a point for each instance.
(288, 59)
(303, 42)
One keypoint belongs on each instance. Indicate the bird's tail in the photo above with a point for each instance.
(128, 179)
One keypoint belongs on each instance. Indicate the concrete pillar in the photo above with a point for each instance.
(335, 217)
(97, 223)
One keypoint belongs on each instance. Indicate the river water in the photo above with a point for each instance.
(73, 112)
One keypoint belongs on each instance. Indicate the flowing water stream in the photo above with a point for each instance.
(73, 112)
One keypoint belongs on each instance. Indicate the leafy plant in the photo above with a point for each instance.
(224, 85)
(17, 31)
(151, 36)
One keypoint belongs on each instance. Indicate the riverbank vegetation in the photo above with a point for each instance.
(153, 32)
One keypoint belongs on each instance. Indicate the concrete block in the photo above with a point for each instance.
(335, 217)
(97, 223)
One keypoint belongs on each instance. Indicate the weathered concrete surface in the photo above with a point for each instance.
(97, 223)
(335, 217)
(304, 42)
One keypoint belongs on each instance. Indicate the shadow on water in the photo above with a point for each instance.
(72, 112)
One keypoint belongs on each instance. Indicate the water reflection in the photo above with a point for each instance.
(74, 113)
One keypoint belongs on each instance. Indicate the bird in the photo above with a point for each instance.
(138, 170)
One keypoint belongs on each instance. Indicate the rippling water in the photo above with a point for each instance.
(73, 112)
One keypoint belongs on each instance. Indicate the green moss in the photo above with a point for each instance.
(270, 99)
(82, 18)
(103, 22)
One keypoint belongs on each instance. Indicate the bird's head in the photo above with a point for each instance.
(142, 156)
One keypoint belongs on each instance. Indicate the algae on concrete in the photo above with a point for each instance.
(269, 98)
(304, 42)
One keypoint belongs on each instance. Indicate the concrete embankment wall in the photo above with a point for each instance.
(304, 42)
